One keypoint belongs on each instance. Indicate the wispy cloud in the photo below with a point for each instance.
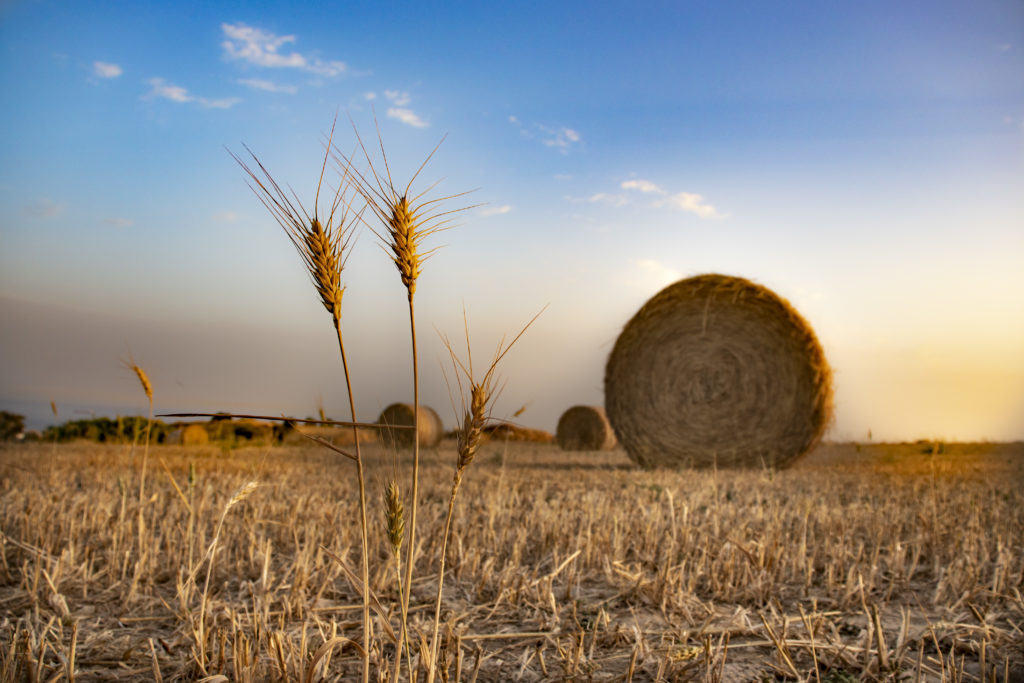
(399, 99)
(495, 210)
(225, 216)
(119, 222)
(168, 91)
(1003, 47)
(653, 274)
(694, 203)
(645, 186)
(43, 208)
(106, 70)
(263, 48)
(400, 111)
(615, 200)
(407, 116)
(268, 86)
(683, 201)
(562, 138)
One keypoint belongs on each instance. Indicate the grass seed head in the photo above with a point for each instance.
(242, 493)
(408, 220)
(473, 424)
(322, 244)
(394, 515)
(147, 386)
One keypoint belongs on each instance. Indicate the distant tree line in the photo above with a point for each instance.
(108, 430)
(11, 425)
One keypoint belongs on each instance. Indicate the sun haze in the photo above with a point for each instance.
(864, 161)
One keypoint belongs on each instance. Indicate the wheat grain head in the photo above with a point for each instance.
(408, 220)
(322, 244)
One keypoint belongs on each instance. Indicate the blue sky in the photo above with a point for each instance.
(864, 160)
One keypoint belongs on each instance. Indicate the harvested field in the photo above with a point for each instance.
(860, 563)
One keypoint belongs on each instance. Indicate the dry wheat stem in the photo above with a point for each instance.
(408, 223)
(475, 417)
(323, 247)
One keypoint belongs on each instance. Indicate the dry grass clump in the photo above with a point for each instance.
(430, 431)
(585, 428)
(717, 370)
(878, 565)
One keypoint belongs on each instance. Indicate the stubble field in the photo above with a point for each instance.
(861, 563)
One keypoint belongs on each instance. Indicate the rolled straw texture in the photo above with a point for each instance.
(717, 371)
(585, 428)
(431, 428)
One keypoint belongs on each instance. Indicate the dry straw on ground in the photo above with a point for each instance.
(431, 429)
(717, 370)
(585, 428)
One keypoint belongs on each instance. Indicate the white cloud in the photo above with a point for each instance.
(407, 116)
(645, 186)
(370, 96)
(119, 222)
(652, 274)
(615, 200)
(1003, 47)
(262, 48)
(176, 93)
(687, 201)
(495, 210)
(269, 86)
(43, 208)
(399, 99)
(106, 70)
(561, 138)
(226, 216)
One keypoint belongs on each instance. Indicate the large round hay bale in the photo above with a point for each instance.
(431, 429)
(585, 428)
(195, 435)
(717, 370)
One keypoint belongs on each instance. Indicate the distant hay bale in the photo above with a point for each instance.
(431, 428)
(585, 428)
(504, 431)
(717, 370)
(195, 435)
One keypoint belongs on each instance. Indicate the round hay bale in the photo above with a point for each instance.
(585, 428)
(431, 429)
(195, 435)
(717, 370)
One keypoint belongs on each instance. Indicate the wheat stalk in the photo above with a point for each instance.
(408, 221)
(147, 387)
(476, 414)
(323, 247)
